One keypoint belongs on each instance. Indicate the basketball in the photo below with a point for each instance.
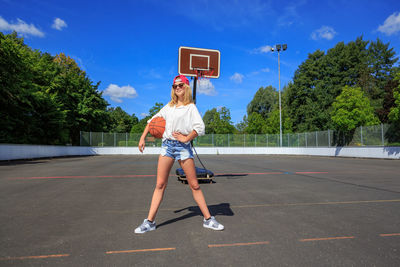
(157, 127)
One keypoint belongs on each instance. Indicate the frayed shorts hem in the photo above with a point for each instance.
(176, 150)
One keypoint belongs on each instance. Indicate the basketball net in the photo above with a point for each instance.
(201, 74)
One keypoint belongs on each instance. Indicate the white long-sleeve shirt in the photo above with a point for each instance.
(183, 119)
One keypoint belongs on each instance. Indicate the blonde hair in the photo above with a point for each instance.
(188, 99)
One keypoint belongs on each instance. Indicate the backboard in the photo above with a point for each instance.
(194, 60)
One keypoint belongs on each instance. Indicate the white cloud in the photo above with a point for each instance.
(237, 77)
(20, 27)
(265, 70)
(59, 24)
(259, 71)
(116, 93)
(262, 49)
(325, 32)
(391, 24)
(144, 115)
(205, 87)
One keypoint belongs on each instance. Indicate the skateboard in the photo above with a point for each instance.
(202, 175)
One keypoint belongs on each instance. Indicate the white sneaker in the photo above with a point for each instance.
(213, 224)
(146, 226)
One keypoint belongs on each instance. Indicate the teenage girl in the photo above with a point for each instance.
(183, 124)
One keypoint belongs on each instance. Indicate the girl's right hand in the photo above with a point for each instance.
(142, 145)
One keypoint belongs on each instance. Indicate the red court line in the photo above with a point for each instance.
(238, 244)
(263, 173)
(248, 173)
(139, 250)
(326, 238)
(35, 257)
(309, 172)
(395, 234)
(143, 175)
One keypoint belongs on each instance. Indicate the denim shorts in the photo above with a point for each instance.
(176, 150)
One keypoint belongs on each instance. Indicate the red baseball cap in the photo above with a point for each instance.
(181, 78)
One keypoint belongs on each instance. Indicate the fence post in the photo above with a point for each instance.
(361, 135)
(288, 140)
(102, 138)
(316, 138)
(255, 140)
(114, 140)
(228, 141)
(90, 138)
(80, 138)
(267, 139)
(244, 140)
(212, 139)
(329, 138)
(298, 140)
(126, 139)
(305, 137)
(383, 140)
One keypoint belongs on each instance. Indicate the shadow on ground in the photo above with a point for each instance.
(231, 175)
(222, 209)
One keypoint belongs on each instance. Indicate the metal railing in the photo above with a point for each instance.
(362, 136)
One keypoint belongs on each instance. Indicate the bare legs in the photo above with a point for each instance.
(163, 169)
(190, 171)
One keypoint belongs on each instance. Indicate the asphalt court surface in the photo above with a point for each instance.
(277, 211)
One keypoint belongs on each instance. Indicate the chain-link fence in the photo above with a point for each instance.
(362, 136)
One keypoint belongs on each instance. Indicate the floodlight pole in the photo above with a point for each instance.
(280, 107)
(279, 48)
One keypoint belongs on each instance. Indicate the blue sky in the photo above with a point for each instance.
(131, 47)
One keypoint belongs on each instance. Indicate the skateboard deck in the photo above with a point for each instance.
(202, 175)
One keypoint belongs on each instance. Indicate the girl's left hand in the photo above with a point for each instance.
(180, 137)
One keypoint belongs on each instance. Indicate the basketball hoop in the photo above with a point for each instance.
(199, 62)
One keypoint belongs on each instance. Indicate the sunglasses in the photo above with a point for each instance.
(178, 85)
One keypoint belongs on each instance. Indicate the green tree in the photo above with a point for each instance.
(263, 120)
(29, 111)
(120, 121)
(272, 125)
(86, 109)
(256, 123)
(352, 109)
(209, 120)
(388, 101)
(241, 126)
(263, 101)
(156, 108)
(320, 79)
(393, 133)
(394, 114)
(218, 121)
(225, 125)
(138, 128)
(301, 93)
(378, 83)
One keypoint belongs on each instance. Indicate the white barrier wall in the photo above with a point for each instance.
(12, 152)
